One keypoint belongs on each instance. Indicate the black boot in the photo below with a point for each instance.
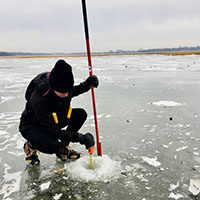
(31, 154)
(66, 152)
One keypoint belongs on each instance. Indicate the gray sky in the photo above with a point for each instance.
(57, 25)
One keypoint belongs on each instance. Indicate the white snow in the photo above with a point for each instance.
(152, 161)
(173, 186)
(57, 196)
(141, 177)
(165, 146)
(105, 169)
(167, 103)
(181, 148)
(175, 196)
(45, 186)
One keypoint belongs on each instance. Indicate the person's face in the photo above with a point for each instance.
(61, 95)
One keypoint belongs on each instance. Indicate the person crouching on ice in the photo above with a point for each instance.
(48, 123)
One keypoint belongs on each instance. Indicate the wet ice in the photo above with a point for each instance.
(11, 182)
(143, 150)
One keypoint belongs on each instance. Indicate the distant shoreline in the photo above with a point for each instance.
(169, 53)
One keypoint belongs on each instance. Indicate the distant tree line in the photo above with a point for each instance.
(178, 49)
(2, 53)
(183, 49)
(197, 48)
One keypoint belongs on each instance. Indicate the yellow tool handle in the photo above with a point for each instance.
(69, 113)
(91, 165)
(55, 117)
(91, 151)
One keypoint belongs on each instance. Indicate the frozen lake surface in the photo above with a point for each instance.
(148, 114)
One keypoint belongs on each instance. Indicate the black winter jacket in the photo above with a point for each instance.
(38, 112)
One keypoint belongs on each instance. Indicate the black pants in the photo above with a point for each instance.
(40, 141)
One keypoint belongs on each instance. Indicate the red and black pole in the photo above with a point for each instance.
(99, 150)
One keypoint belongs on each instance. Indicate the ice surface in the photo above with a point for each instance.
(148, 115)
(11, 182)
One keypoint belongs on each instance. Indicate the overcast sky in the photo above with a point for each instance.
(57, 25)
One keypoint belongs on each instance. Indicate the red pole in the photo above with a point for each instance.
(99, 150)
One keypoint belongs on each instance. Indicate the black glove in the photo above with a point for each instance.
(92, 81)
(87, 140)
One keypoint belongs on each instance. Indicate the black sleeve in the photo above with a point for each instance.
(45, 119)
(80, 89)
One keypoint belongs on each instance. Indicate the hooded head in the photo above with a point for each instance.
(61, 78)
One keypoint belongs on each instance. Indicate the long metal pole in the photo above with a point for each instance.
(99, 149)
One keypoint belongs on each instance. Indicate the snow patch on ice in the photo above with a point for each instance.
(166, 103)
(57, 196)
(175, 196)
(105, 169)
(165, 146)
(181, 148)
(141, 178)
(45, 186)
(151, 161)
(4, 99)
(108, 116)
(173, 186)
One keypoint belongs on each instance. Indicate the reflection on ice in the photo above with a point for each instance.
(11, 182)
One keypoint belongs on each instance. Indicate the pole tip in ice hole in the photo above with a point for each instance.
(99, 149)
(91, 150)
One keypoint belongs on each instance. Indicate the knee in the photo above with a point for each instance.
(79, 115)
(83, 114)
